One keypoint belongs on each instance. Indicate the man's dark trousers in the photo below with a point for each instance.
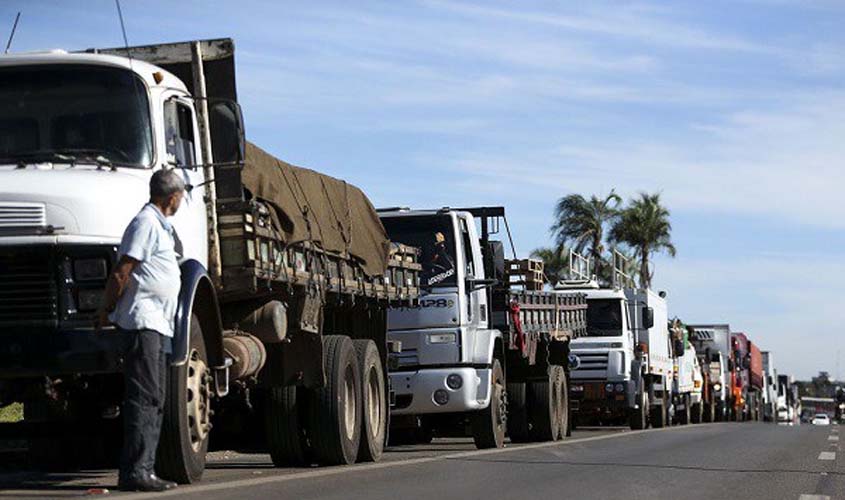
(145, 377)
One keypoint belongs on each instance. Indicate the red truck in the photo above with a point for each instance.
(746, 379)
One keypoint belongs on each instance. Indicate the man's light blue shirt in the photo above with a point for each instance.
(149, 299)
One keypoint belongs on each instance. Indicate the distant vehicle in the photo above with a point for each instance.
(821, 419)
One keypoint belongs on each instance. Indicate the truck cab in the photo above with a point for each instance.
(603, 384)
(446, 342)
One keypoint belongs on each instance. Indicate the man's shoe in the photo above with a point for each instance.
(148, 483)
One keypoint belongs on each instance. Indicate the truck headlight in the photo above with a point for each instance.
(441, 397)
(619, 387)
(89, 269)
(717, 387)
(442, 338)
(454, 381)
(608, 388)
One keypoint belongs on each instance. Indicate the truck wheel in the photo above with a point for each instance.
(374, 402)
(518, 427)
(187, 415)
(709, 412)
(335, 416)
(697, 411)
(684, 416)
(488, 425)
(543, 406)
(562, 389)
(659, 414)
(283, 424)
(638, 417)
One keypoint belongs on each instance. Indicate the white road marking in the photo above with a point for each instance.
(813, 497)
(341, 469)
(833, 438)
(827, 455)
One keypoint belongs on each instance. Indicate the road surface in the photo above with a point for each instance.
(710, 461)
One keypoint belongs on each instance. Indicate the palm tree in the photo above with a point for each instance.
(644, 227)
(555, 263)
(580, 223)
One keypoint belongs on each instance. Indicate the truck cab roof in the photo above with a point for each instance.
(143, 69)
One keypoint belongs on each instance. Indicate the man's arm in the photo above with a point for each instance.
(115, 286)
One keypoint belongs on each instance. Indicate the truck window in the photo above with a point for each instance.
(179, 132)
(467, 249)
(604, 317)
(77, 110)
(433, 235)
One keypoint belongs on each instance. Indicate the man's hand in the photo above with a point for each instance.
(114, 289)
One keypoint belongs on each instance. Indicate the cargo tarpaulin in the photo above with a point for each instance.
(314, 207)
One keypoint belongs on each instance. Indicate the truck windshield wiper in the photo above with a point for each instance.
(21, 159)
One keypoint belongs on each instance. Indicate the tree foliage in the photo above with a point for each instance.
(580, 224)
(644, 227)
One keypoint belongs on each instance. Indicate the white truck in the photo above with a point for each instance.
(713, 344)
(624, 371)
(481, 352)
(770, 388)
(687, 377)
(277, 281)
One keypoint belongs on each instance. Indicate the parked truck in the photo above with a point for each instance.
(713, 345)
(624, 371)
(748, 380)
(287, 274)
(770, 388)
(686, 376)
(486, 349)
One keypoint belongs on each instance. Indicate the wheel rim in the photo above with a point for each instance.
(501, 410)
(198, 400)
(349, 404)
(374, 401)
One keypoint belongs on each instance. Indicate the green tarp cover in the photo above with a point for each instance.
(314, 207)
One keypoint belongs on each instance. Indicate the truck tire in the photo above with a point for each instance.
(518, 424)
(335, 416)
(187, 415)
(638, 418)
(373, 399)
(283, 423)
(697, 412)
(684, 416)
(542, 406)
(659, 414)
(488, 425)
(562, 389)
(709, 412)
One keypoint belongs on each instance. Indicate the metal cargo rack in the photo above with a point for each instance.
(257, 260)
(527, 273)
(561, 316)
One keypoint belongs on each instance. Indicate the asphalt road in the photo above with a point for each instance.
(714, 461)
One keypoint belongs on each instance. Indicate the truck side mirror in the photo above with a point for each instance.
(648, 317)
(679, 347)
(227, 131)
(746, 363)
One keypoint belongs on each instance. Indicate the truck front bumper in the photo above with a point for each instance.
(592, 397)
(35, 352)
(415, 390)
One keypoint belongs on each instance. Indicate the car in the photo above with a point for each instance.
(821, 419)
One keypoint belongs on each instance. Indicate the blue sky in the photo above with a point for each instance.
(735, 111)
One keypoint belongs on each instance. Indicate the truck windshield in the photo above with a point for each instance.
(604, 317)
(434, 236)
(77, 112)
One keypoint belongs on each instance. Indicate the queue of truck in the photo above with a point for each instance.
(310, 325)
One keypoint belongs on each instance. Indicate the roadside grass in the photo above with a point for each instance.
(11, 413)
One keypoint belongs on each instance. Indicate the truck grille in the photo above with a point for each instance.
(592, 360)
(28, 292)
(22, 214)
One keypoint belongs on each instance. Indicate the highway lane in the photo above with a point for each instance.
(751, 460)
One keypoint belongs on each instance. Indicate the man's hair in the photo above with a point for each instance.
(164, 183)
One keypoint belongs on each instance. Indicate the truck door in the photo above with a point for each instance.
(476, 299)
(181, 150)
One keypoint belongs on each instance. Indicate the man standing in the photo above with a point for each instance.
(141, 296)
